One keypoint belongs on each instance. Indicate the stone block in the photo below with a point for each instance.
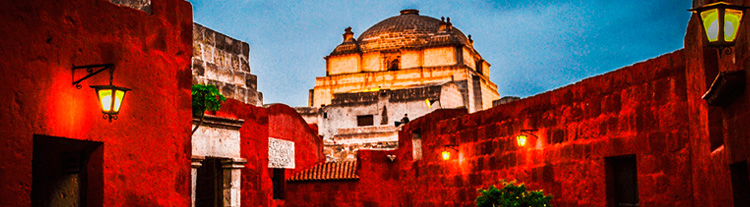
(142, 5)
(241, 94)
(197, 67)
(218, 84)
(224, 76)
(198, 32)
(197, 51)
(244, 65)
(219, 42)
(251, 81)
(245, 49)
(237, 47)
(229, 90)
(209, 37)
(210, 71)
(208, 53)
(219, 58)
(235, 63)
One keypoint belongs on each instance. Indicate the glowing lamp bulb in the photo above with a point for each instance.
(521, 140)
(446, 155)
(711, 24)
(110, 98)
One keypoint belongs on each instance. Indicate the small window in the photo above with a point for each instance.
(622, 181)
(416, 142)
(65, 172)
(278, 184)
(393, 65)
(365, 120)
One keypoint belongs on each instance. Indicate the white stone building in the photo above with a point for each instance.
(395, 67)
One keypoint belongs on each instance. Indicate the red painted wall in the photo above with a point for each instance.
(382, 182)
(712, 183)
(634, 110)
(278, 121)
(651, 109)
(145, 153)
(285, 123)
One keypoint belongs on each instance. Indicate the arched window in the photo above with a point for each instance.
(393, 65)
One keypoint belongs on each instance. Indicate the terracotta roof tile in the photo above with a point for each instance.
(328, 171)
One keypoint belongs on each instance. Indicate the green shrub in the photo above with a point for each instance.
(512, 195)
(206, 97)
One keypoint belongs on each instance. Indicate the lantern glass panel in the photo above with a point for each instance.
(521, 139)
(732, 19)
(118, 99)
(105, 97)
(711, 24)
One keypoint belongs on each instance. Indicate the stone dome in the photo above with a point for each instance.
(408, 30)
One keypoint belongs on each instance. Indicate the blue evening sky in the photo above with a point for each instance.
(533, 45)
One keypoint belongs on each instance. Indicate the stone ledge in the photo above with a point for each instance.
(211, 120)
(366, 129)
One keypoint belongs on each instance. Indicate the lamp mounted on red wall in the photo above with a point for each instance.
(110, 96)
(721, 22)
(446, 154)
(526, 136)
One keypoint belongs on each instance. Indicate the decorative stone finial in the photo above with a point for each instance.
(449, 27)
(348, 34)
(470, 40)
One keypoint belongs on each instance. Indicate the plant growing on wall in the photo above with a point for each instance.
(205, 97)
(512, 195)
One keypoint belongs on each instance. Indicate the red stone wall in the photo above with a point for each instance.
(278, 121)
(381, 185)
(382, 182)
(145, 154)
(634, 110)
(285, 123)
(712, 183)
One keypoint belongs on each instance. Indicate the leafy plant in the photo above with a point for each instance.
(205, 97)
(511, 195)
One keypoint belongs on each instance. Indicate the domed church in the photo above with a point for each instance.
(400, 68)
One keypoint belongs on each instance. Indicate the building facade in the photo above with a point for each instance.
(669, 131)
(58, 150)
(406, 65)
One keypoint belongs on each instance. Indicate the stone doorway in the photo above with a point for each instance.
(209, 186)
(66, 172)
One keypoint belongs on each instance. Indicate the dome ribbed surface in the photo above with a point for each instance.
(408, 30)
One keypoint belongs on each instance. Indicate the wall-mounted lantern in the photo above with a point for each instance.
(446, 154)
(525, 137)
(110, 96)
(721, 22)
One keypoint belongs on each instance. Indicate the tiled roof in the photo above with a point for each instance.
(328, 171)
